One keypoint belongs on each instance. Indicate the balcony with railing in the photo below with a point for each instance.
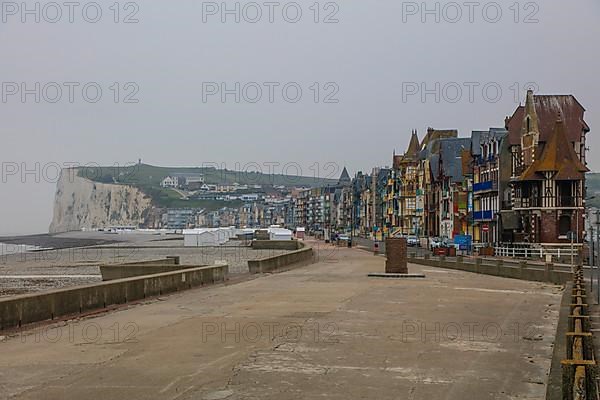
(538, 202)
(484, 215)
(485, 187)
(517, 172)
(528, 202)
(567, 201)
(484, 160)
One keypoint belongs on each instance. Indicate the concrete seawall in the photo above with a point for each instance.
(516, 270)
(303, 256)
(277, 245)
(140, 268)
(22, 310)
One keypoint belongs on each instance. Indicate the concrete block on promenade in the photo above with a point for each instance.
(478, 265)
(426, 256)
(396, 256)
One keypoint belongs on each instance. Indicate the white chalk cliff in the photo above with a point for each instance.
(81, 203)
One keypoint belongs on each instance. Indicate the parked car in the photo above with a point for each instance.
(412, 241)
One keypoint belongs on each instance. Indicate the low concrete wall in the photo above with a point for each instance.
(520, 270)
(140, 268)
(22, 310)
(277, 245)
(122, 271)
(170, 260)
(270, 264)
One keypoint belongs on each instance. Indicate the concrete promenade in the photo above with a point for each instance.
(320, 331)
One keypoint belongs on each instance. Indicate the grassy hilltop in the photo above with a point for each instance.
(148, 178)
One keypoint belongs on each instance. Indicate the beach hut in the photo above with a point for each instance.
(203, 238)
(280, 234)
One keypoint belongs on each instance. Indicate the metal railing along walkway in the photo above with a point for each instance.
(579, 368)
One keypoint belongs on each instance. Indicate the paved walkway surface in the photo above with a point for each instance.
(321, 331)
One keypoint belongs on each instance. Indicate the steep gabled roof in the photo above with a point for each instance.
(478, 138)
(344, 178)
(557, 156)
(451, 151)
(476, 142)
(434, 134)
(546, 109)
(411, 154)
(413, 147)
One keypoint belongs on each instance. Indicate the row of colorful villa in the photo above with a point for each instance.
(522, 184)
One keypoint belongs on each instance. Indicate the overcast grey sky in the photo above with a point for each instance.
(367, 66)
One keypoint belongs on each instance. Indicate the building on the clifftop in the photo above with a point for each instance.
(547, 139)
